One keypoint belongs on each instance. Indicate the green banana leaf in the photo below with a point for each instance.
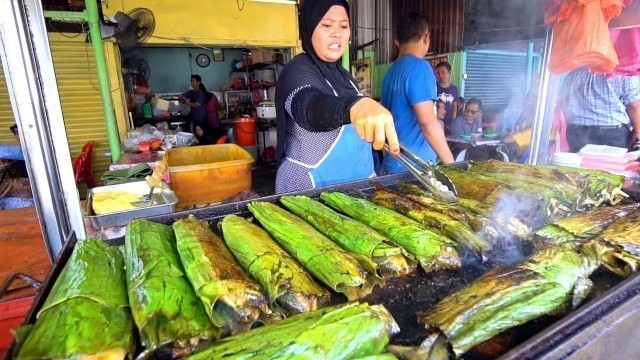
(232, 300)
(352, 236)
(433, 251)
(580, 227)
(283, 279)
(89, 294)
(346, 332)
(545, 283)
(456, 230)
(164, 306)
(350, 274)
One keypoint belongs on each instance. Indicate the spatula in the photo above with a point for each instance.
(144, 202)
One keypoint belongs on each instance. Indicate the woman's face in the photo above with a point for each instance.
(331, 36)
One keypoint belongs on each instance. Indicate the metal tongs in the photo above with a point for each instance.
(433, 179)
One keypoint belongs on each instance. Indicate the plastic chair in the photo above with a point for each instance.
(82, 166)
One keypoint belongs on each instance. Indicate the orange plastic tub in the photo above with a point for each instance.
(208, 174)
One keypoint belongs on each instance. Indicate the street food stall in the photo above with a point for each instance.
(530, 262)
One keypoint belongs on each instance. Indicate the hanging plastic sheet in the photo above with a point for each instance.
(581, 34)
(627, 45)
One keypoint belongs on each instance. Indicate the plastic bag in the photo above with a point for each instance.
(581, 36)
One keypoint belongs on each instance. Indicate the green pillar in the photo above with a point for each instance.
(103, 79)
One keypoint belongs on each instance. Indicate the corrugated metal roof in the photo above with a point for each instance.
(446, 19)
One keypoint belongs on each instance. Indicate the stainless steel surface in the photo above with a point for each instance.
(165, 206)
(33, 90)
(425, 174)
(546, 102)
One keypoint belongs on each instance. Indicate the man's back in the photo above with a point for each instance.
(409, 81)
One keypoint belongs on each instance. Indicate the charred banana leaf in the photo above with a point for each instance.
(283, 279)
(352, 236)
(432, 250)
(454, 229)
(560, 199)
(520, 203)
(90, 294)
(550, 281)
(619, 245)
(232, 300)
(478, 216)
(601, 186)
(347, 332)
(351, 274)
(164, 306)
(580, 227)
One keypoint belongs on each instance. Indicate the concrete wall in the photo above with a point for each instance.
(171, 68)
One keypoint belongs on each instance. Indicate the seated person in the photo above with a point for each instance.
(20, 165)
(470, 121)
(207, 135)
(441, 112)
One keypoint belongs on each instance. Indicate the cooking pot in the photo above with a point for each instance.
(266, 110)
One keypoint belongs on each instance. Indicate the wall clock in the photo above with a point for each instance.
(203, 60)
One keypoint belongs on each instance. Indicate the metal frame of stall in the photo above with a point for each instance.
(33, 90)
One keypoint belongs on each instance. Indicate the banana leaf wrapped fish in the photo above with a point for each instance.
(559, 199)
(580, 227)
(454, 229)
(504, 198)
(599, 186)
(231, 299)
(345, 332)
(432, 250)
(163, 304)
(550, 281)
(619, 244)
(480, 217)
(351, 274)
(84, 299)
(283, 279)
(352, 236)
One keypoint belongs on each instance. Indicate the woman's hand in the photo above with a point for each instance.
(374, 124)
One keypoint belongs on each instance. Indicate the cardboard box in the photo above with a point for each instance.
(263, 55)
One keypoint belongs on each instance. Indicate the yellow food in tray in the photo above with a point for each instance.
(114, 201)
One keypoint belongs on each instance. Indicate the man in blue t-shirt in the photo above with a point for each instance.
(409, 92)
(447, 92)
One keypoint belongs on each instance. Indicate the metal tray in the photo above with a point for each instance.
(121, 218)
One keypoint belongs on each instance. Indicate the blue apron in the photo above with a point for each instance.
(349, 159)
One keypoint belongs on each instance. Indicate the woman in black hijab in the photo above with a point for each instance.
(325, 125)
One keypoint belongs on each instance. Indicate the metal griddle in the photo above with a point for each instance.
(406, 296)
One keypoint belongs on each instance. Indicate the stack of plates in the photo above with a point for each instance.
(566, 159)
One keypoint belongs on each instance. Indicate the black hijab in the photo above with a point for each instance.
(311, 13)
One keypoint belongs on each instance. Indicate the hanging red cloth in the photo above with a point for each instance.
(581, 34)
